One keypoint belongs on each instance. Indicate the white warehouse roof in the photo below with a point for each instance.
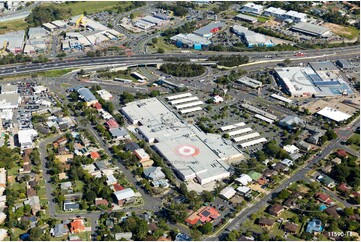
(124, 194)
(334, 114)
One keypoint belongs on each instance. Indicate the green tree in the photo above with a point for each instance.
(206, 228)
(160, 50)
(35, 234)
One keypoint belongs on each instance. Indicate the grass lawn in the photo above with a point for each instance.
(163, 45)
(287, 214)
(85, 236)
(91, 7)
(54, 73)
(12, 25)
(354, 146)
(17, 232)
(262, 19)
(78, 186)
(14, 170)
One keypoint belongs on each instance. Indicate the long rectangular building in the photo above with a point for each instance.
(253, 142)
(240, 131)
(179, 96)
(191, 152)
(188, 105)
(283, 99)
(232, 126)
(246, 137)
(183, 100)
(190, 110)
(311, 29)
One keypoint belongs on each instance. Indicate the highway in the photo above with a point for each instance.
(300, 175)
(28, 68)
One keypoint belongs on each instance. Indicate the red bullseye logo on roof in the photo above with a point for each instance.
(187, 150)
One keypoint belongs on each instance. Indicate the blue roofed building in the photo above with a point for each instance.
(314, 226)
(87, 96)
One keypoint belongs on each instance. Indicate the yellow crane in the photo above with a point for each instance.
(79, 20)
(4, 47)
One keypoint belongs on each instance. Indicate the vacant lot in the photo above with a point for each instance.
(12, 25)
(343, 31)
(91, 7)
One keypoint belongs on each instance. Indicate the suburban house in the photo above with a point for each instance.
(275, 209)
(314, 226)
(244, 179)
(154, 173)
(77, 226)
(203, 215)
(266, 222)
(124, 196)
(290, 227)
(323, 198)
(228, 192)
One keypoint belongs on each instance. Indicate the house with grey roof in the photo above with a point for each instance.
(119, 133)
(59, 230)
(154, 173)
(290, 122)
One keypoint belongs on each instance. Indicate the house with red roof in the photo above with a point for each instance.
(94, 155)
(77, 226)
(101, 201)
(112, 124)
(203, 215)
(342, 153)
(323, 198)
(344, 187)
(117, 187)
(98, 106)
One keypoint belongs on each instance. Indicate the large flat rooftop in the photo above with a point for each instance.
(193, 153)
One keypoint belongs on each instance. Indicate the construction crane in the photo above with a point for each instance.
(79, 20)
(4, 47)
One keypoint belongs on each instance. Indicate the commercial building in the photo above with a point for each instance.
(144, 24)
(249, 82)
(104, 94)
(246, 18)
(124, 196)
(208, 30)
(9, 89)
(252, 39)
(153, 20)
(26, 137)
(228, 192)
(9, 101)
(87, 96)
(281, 98)
(37, 32)
(49, 27)
(192, 153)
(318, 79)
(13, 41)
(311, 29)
(252, 8)
(344, 64)
(295, 16)
(190, 41)
(333, 114)
(274, 12)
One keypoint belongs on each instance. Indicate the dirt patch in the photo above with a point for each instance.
(303, 189)
(338, 29)
(339, 103)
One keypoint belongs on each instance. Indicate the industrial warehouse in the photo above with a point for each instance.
(193, 153)
(252, 39)
(318, 79)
